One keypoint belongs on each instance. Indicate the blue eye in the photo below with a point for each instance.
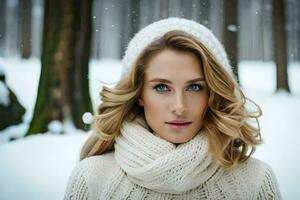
(161, 88)
(195, 87)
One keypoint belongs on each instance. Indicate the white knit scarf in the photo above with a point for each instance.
(156, 164)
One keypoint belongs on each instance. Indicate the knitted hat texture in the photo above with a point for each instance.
(154, 31)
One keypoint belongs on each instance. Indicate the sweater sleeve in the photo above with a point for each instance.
(77, 187)
(269, 189)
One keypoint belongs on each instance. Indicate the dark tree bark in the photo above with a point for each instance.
(231, 34)
(280, 45)
(80, 94)
(63, 91)
(26, 28)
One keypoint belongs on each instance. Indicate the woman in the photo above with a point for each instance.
(175, 126)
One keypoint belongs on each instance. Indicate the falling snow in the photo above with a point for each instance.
(232, 28)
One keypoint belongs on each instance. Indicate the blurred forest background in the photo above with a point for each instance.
(66, 35)
(56, 55)
(115, 21)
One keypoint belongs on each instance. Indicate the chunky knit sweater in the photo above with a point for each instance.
(144, 166)
(250, 180)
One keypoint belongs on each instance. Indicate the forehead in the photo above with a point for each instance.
(170, 63)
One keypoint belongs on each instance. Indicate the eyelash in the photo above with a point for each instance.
(200, 87)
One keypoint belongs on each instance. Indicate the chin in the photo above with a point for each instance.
(177, 140)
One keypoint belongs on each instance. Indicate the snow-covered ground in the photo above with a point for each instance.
(38, 167)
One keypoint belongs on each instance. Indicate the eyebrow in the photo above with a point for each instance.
(161, 80)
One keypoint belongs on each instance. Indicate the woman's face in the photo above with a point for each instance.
(174, 96)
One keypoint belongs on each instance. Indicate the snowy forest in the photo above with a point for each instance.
(55, 56)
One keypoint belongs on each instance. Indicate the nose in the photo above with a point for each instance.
(179, 105)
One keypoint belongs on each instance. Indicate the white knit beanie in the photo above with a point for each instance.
(154, 31)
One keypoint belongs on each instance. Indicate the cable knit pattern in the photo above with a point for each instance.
(77, 189)
(269, 185)
(135, 172)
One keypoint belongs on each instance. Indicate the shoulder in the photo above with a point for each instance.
(91, 174)
(256, 169)
(97, 162)
(259, 176)
(253, 165)
(98, 168)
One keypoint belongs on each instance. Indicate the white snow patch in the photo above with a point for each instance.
(38, 167)
(55, 127)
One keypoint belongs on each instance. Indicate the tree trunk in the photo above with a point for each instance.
(280, 45)
(231, 34)
(26, 28)
(80, 97)
(63, 91)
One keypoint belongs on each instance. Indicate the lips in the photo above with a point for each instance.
(178, 124)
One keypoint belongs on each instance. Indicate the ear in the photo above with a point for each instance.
(140, 101)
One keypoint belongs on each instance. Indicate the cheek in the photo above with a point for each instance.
(201, 103)
(153, 103)
(154, 111)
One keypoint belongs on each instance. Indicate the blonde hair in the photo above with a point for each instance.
(232, 137)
